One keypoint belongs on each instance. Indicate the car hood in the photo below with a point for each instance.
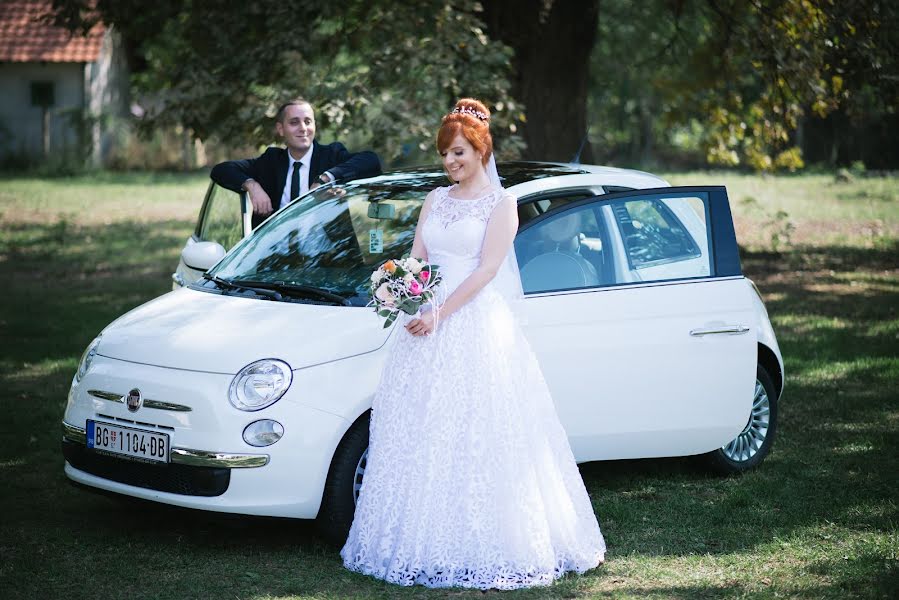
(200, 331)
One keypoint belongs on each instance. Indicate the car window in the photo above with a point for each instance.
(565, 251)
(657, 232)
(533, 208)
(605, 243)
(221, 220)
(330, 240)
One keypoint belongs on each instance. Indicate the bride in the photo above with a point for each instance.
(470, 480)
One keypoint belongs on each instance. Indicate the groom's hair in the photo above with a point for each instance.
(293, 102)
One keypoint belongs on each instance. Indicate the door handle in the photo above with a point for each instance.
(723, 329)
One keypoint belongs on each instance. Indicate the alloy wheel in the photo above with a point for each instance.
(357, 476)
(750, 440)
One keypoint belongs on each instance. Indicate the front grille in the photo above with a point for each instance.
(173, 478)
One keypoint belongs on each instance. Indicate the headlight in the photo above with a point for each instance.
(87, 358)
(260, 384)
(263, 433)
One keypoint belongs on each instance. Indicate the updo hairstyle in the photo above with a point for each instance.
(472, 119)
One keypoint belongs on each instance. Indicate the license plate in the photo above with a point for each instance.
(128, 441)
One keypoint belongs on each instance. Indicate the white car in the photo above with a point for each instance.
(249, 390)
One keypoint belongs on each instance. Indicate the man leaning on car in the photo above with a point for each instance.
(278, 176)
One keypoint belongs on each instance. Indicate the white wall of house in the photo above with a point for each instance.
(21, 123)
(97, 91)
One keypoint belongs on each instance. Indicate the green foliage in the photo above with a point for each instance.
(379, 73)
(695, 82)
(727, 83)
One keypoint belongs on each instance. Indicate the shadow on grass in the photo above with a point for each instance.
(70, 281)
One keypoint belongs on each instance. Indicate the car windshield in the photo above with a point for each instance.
(331, 239)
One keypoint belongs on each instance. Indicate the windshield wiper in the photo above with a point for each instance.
(273, 294)
(305, 290)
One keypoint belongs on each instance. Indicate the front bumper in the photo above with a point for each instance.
(189, 472)
(185, 456)
(211, 467)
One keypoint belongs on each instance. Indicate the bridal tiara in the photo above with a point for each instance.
(470, 111)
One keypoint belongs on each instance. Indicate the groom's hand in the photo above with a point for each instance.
(262, 204)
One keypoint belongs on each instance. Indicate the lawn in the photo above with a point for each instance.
(819, 519)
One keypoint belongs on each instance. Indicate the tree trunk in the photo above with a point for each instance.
(552, 40)
(647, 140)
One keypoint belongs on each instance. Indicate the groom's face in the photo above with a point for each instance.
(297, 127)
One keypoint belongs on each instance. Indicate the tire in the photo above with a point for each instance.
(753, 444)
(343, 483)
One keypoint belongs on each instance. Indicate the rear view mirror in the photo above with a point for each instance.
(376, 210)
(202, 256)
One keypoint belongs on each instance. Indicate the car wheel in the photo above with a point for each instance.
(753, 444)
(344, 481)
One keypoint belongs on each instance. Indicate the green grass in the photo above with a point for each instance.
(819, 519)
(817, 209)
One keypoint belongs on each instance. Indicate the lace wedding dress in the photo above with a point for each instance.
(470, 481)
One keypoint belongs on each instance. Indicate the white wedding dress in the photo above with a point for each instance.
(470, 480)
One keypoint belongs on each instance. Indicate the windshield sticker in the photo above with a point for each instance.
(375, 241)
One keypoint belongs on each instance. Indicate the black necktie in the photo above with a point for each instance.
(295, 181)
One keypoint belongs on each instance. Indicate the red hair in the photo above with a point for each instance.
(471, 119)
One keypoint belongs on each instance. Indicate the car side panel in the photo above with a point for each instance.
(630, 381)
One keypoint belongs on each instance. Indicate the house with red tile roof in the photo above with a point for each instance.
(61, 94)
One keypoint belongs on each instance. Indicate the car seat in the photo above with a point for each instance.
(559, 265)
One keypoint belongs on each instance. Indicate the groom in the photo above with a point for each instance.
(280, 175)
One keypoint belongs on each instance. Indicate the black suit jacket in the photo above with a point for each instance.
(270, 169)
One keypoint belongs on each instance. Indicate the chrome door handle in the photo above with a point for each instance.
(728, 329)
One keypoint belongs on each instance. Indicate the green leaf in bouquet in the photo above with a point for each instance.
(409, 306)
(384, 312)
(389, 321)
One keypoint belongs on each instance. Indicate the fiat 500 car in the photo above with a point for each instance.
(249, 390)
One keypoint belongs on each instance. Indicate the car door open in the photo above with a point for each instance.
(225, 219)
(636, 304)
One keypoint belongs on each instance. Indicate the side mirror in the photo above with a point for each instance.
(202, 256)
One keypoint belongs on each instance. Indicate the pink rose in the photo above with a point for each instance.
(425, 275)
(415, 288)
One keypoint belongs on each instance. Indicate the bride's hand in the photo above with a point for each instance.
(423, 325)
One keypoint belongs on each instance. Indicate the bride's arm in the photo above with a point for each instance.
(498, 239)
(418, 245)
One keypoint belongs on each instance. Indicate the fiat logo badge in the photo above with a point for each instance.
(133, 400)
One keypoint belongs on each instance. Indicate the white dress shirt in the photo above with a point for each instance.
(305, 162)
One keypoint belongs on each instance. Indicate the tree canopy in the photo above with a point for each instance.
(730, 81)
(726, 81)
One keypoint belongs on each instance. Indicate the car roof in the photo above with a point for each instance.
(527, 177)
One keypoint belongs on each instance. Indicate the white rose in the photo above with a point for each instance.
(377, 275)
(383, 294)
(407, 278)
(414, 266)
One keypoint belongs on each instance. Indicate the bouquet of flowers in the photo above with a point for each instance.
(403, 284)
